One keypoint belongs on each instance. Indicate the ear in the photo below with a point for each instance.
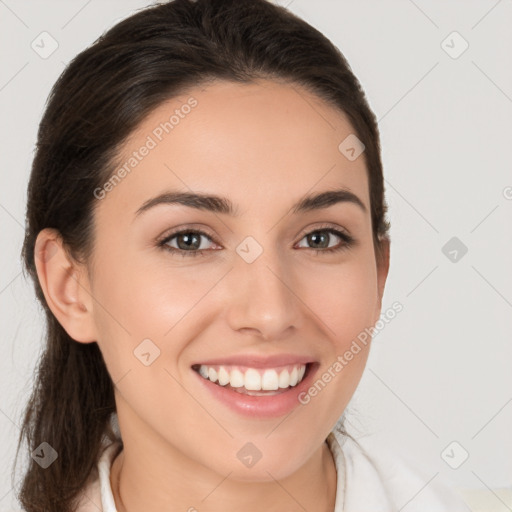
(65, 285)
(382, 274)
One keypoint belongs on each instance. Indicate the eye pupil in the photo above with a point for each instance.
(316, 236)
(188, 240)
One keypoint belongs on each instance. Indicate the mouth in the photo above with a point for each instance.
(254, 387)
(254, 381)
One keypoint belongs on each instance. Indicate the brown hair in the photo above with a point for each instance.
(97, 102)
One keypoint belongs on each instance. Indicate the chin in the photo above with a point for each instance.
(249, 464)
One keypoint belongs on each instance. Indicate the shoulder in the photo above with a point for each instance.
(97, 494)
(377, 479)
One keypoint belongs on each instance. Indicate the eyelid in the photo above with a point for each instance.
(321, 227)
(347, 240)
(204, 231)
(162, 239)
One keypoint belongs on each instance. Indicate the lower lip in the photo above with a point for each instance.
(270, 406)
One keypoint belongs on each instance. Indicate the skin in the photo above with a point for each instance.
(264, 146)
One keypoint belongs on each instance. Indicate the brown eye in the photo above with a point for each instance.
(189, 240)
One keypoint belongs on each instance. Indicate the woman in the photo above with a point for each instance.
(206, 230)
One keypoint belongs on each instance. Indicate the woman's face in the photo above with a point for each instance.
(254, 290)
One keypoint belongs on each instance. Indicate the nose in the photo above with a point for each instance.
(264, 298)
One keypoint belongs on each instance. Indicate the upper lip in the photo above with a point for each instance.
(257, 360)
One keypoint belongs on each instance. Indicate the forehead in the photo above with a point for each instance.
(257, 143)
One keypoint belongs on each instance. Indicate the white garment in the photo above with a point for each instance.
(368, 480)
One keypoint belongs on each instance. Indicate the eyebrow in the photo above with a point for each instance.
(217, 204)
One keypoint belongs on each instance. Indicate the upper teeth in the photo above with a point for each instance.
(254, 379)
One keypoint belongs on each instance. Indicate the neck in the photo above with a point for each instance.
(312, 488)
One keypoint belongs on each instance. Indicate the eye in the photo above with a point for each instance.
(321, 238)
(187, 242)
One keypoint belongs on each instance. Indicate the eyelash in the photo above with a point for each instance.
(348, 241)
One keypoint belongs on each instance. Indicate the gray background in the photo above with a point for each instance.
(441, 370)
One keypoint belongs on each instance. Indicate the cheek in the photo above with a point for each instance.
(144, 299)
(344, 297)
(142, 324)
(138, 301)
(344, 301)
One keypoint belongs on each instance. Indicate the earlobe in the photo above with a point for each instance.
(65, 286)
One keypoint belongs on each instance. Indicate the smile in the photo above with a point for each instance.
(256, 387)
(253, 380)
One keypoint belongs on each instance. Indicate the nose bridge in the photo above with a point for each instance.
(264, 298)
